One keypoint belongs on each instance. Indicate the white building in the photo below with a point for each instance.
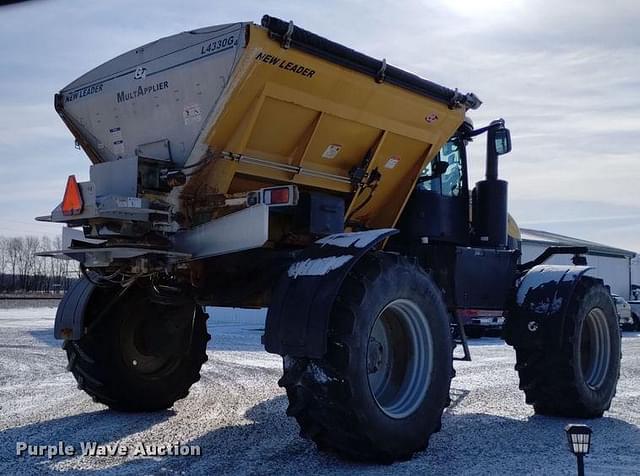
(635, 277)
(613, 265)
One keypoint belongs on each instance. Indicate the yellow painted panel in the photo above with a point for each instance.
(398, 160)
(279, 130)
(351, 139)
(286, 106)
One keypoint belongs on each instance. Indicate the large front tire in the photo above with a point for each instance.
(141, 355)
(380, 391)
(579, 379)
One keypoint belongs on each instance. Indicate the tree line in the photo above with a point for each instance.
(22, 271)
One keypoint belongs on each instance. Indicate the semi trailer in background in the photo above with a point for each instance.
(635, 278)
(615, 266)
(248, 165)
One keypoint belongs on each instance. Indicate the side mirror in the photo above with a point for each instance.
(502, 141)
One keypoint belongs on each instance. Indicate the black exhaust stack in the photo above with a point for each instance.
(490, 194)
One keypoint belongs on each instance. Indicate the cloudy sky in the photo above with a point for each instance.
(564, 74)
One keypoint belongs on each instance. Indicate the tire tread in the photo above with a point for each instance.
(547, 377)
(326, 414)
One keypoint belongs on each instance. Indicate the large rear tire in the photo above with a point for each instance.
(380, 391)
(141, 355)
(579, 379)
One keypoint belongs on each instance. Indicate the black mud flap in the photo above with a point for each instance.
(302, 299)
(69, 323)
(535, 317)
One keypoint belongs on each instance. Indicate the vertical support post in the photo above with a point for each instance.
(580, 458)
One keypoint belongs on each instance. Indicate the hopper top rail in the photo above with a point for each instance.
(293, 36)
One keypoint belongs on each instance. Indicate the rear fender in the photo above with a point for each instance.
(536, 315)
(69, 324)
(301, 302)
(85, 297)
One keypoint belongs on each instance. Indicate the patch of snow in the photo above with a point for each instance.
(358, 239)
(536, 279)
(545, 275)
(236, 413)
(319, 375)
(318, 266)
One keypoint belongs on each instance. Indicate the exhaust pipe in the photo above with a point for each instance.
(490, 195)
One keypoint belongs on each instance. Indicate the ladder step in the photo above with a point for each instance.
(459, 337)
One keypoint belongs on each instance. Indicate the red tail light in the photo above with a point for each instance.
(276, 196)
(72, 202)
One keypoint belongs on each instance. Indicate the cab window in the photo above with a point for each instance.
(450, 183)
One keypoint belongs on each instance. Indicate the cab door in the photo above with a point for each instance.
(439, 206)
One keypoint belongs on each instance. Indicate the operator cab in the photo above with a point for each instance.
(460, 235)
(442, 209)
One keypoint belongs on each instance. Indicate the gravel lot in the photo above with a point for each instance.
(236, 414)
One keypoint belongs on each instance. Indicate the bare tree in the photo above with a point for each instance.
(14, 253)
(3, 255)
(21, 269)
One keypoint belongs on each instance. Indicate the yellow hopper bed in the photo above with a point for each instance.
(190, 129)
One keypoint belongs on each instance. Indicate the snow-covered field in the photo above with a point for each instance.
(236, 414)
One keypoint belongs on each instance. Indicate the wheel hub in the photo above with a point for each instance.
(151, 340)
(595, 348)
(400, 358)
(375, 359)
